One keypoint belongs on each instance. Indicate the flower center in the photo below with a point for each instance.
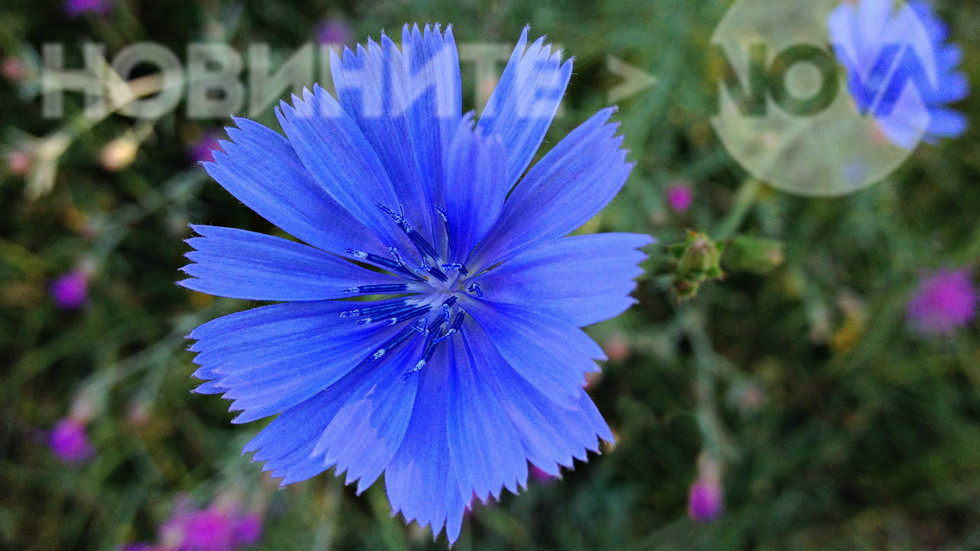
(427, 301)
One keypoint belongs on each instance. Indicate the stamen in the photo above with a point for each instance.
(395, 265)
(398, 257)
(436, 324)
(475, 288)
(378, 289)
(433, 342)
(457, 323)
(445, 222)
(419, 327)
(423, 246)
(402, 335)
(430, 349)
(395, 316)
(456, 266)
(438, 274)
(407, 315)
(376, 310)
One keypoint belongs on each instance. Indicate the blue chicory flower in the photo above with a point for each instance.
(900, 68)
(428, 327)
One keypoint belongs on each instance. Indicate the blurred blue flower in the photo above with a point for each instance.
(900, 68)
(429, 327)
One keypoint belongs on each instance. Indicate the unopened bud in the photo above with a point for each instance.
(118, 154)
(20, 162)
(698, 259)
(746, 253)
(701, 257)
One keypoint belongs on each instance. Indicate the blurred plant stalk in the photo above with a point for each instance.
(45, 153)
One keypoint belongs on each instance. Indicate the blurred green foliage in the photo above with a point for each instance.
(836, 427)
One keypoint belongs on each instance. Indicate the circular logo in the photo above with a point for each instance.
(822, 97)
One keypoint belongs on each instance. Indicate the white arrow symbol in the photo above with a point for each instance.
(634, 80)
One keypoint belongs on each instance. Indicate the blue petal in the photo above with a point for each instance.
(432, 66)
(570, 185)
(583, 279)
(289, 444)
(242, 264)
(261, 170)
(525, 101)
(286, 445)
(550, 353)
(371, 88)
(873, 16)
(953, 88)
(936, 27)
(271, 358)
(420, 480)
(946, 123)
(332, 147)
(948, 58)
(475, 168)
(553, 436)
(843, 35)
(367, 431)
(484, 446)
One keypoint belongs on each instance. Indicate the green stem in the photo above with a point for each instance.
(744, 199)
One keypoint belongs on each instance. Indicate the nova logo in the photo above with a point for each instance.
(801, 80)
(814, 111)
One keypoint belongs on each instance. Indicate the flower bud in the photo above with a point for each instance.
(697, 260)
(118, 154)
(746, 253)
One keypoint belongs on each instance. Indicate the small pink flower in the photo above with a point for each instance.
(249, 529)
(19, 162)
(616, 348)
(211, 529)
(540, 476)
(14, 69)
(69, 442)
(70, 290)
(705, 500)
(203, 150)
(74, 8)
(334, 32)
(679, 197)
(943, 301)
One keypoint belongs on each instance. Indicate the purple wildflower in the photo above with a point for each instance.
(679, 197)
(334, 31)
(211, 529)
(69, 442)
(248, 529)
(705, 503)
(70, 290)
(943, 301)
(202, 151)
(74, 8)
(540, 476)
(20, 162)
(14, 69)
